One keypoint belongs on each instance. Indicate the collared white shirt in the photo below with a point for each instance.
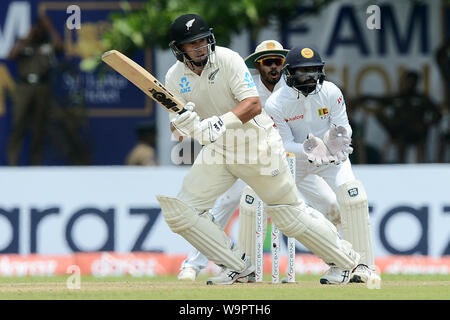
(295, 115)
(224, 82)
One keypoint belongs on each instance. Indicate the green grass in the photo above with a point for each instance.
(307, 287)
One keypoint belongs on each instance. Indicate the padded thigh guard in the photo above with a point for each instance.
(355, 224)
(200, 231)
(315, 232)
(247, 222)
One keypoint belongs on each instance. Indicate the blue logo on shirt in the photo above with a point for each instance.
(184, 84)
(249, 80)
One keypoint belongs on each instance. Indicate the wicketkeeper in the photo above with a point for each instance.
(267, 61)
(311, 117)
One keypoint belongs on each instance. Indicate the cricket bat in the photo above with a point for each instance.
(144, 80)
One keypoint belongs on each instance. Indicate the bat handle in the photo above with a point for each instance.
(182, 111)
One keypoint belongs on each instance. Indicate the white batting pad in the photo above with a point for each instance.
(247, 224)
(355, 224)
(200, 231)
(315, 232)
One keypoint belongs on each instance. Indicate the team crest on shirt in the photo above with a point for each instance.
(212, 76)
(323, 113)
(185, 85)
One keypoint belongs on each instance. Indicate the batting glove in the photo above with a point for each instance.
(209, 130)
(187, 122)
(316, 151)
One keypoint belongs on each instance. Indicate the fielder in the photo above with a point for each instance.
(311, 117)
(268, 60)
(227, 118)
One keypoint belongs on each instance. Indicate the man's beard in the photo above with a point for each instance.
(200, 63)
(268, 77)
(306, 87)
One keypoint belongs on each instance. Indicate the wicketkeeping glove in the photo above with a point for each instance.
(318, 154)
(338, 143)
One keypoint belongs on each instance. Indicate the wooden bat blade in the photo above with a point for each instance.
(143, 79)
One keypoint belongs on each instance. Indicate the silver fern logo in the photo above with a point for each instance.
(213, 74)
(190, 23)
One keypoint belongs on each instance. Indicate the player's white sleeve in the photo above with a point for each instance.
(241, 81)
(285, 131)
(338, 112)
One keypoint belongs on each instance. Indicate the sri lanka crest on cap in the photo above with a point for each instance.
(307, 53)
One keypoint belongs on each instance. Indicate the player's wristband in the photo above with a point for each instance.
(231, 120)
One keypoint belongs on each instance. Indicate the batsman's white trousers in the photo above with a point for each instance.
(314, 189)
(271, 180)
(316, 192)
(273, 183)
(221, 180)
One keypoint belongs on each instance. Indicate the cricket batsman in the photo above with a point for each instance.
(267, 61)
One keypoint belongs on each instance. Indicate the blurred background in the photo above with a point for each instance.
(83, 152)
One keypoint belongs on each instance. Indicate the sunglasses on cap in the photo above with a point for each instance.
(269, 60)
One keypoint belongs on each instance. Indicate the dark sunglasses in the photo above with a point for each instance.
(268, 61)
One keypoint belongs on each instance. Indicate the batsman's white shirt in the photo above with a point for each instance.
(296, 116)
(223, 83)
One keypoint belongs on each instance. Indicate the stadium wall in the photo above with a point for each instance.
(79, 215)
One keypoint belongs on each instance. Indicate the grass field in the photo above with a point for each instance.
(307, 287)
